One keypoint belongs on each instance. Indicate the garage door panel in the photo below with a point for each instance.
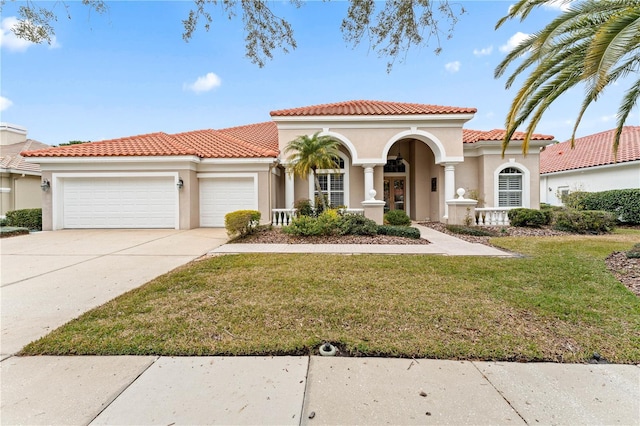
(122, 202)
(219, 196)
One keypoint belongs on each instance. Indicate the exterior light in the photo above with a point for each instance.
(180, 183)
(399, 157)
(45, 185)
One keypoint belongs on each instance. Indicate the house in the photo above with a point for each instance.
(19, 180)
(392, 156)
(591, 165)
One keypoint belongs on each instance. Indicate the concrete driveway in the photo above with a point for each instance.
(49, 278)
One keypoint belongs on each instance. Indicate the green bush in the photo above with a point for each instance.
(355, 224)
(307, 226)
(574, 200)
(304, 207)
(469, 230)
(241, 222)
(623, 203)
(399, 231)
(585, 222)
(634, 253)
(3, 221)
(27, 218)
(528, 218)
(11, 231)
(397, 218)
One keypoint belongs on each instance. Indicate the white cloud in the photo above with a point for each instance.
(452, 66)
(514, 41)
(5, 103)
(607, 118)
(562, 5)
(204, 84)
(9, 40)
(484, 51)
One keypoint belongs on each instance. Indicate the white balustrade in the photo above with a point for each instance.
(492, 216)
(282, 217)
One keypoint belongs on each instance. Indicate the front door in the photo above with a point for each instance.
(394, 193)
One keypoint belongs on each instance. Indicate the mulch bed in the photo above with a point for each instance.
(276, 236)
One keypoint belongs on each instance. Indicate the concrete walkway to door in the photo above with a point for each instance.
(49, 278)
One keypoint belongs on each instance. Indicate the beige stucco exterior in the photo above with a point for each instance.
(19, 191)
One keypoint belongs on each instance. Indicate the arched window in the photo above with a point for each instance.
(334, 184)
(510, 188)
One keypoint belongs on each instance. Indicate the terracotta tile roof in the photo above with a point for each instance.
(370, 108)
(252, 141)
(473, 136)
(152, 144)
(10, 157)
(228, 144)
(590, 151)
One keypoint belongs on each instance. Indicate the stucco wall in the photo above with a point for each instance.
(531, 181)
(19, 192)
(593, 179)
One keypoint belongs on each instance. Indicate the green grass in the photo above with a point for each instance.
(556, 303)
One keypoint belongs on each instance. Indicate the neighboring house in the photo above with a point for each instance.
(19, 180)
(392, 156)
(591, 165)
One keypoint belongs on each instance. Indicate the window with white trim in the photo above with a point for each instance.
(510, 188)
(332, 184)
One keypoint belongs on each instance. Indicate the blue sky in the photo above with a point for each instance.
(129, 72)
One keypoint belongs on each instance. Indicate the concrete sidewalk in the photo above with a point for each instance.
(441, 244)
(312, 390)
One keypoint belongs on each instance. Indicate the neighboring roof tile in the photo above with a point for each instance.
(590, 151)
(473, 136)
(371, 108)
(10, 157)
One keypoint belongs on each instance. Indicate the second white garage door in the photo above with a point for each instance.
(222, 195)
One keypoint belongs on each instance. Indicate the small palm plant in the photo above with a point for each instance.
(308, 154)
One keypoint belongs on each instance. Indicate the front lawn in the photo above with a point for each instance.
(557, 303)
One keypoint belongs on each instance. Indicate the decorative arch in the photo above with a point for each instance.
(427, 138)
(343, 139)
(526, 182)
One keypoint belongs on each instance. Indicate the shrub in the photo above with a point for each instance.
(623, 203)
(3, 221)
(355, 224)
(397, 218)
(241, 222)
(27, 218)
(585, 222)
(528, 218)
(573, 200)
(304, 207)
(10, 231)
(634, 253)
(468, 230)
(307, 226)
(399, 231)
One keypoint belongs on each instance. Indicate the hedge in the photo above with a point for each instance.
(623, 203)
(397, 218)
(26, 218)
(528, 218)
(585, 222)
(399, 231)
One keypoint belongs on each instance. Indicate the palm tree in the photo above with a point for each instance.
(310, 154)
(595, 42)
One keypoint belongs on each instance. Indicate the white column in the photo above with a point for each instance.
(449, 186)
(288, 189)
(368, 181)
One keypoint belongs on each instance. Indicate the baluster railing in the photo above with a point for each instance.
(492, 216)
(282, 217)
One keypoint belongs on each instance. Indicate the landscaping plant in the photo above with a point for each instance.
(397, 218)
(241, 222)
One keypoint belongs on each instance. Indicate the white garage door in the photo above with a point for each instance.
(219, 196)
(119, 202)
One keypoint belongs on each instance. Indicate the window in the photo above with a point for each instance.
(332, 184)
(510, 188)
